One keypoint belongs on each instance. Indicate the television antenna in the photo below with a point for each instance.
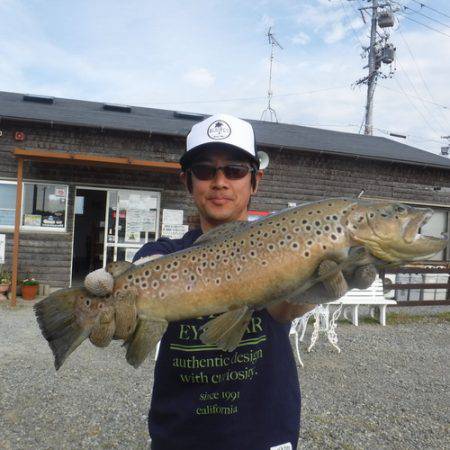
(269, 112)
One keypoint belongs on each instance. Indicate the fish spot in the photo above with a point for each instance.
(371, 215)
(288, 237)
(136, 281)
(252, 253)
(155, 284)
(354, 227)
(185, 271)
(130, 277)
(326, 227)
(318, 232)
(292, 221)
(329, 204)
(175, 264)
(278, 224)
(308, 227)
(162, 294)
(307, 254)
(217, 281)
(199, 270)
(225, 260)
(147, 273)
(232, 254)
(188, 287)
(238, 269)
(265, 234)
(310, 242)
(242, 242)
(174, 276)
(274, 231)
(243, 258)
(228, 276)
(192, 277)
(204, 264)
(281, 243)
(297, 230)
(334, 237)
(295, 245)
(144, 285)
(158, 268)
(125, 286)
(212, 264)
(310, 213)
(168, 266)
(87, 302)
(284, 229)
(164, 276)
(319, 211)
(218, 257)
(304, 221)
(335, 217)
(270, 247)
(193, 258)
(361, 218)
(264, 263)
(184, 256)
(339, 229)
(328, 217)
(317, 223)
(324, 247)
(261, 244)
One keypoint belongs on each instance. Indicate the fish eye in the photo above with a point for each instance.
(401, 209)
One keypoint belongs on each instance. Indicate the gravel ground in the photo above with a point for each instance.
(387, 389)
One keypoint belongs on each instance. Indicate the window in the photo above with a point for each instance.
(44, 206)
(437, 225)
(7, 203)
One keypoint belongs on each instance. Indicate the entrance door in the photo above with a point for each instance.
(89, 233)
(129, 217)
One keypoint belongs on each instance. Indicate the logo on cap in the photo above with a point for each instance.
(219, 130)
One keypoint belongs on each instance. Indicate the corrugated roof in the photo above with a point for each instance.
(159, 121)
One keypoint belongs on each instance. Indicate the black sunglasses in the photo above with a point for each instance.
(232, 171)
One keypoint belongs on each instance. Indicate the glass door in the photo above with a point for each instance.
(132, 219)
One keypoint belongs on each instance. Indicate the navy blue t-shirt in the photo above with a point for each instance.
(207, 399)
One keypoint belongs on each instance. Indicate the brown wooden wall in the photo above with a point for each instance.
(292, 176)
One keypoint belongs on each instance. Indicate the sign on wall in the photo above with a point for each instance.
(2, 248)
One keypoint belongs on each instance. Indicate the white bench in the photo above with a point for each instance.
(373, 296)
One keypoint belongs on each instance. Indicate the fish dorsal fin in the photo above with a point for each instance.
(224, 231)
(118, 267)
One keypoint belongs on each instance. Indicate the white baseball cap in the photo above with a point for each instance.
(220, 131)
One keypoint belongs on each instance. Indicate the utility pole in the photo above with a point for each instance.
(379, 51)
(444, 150)
(373, 72)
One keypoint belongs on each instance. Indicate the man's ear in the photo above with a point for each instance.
(258, 176)
(183, 178)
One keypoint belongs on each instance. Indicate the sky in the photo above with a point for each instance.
(213, 56)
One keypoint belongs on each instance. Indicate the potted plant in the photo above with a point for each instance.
(5, 283)
(29, 288)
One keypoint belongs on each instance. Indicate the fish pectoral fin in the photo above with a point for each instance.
(329, 273)
(223, 231)
(148, 333)
(226, 330)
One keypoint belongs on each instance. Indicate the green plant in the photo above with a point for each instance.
(5, 276)
(29, 281)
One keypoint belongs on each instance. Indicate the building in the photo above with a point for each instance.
(98, 177)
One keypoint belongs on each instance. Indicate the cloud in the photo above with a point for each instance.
(200, 77)
(300, 38)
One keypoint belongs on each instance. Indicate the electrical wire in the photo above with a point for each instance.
(407, 8)
(350, 23)
(290, 94)
(415, 107)
(422, 78)
(418, 98)
(426, 26)
(422, 5)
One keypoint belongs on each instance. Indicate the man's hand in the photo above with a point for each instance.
(328, 290)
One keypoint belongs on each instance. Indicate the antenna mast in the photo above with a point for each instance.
(269, 111)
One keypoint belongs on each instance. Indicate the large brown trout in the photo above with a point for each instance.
(234, 269)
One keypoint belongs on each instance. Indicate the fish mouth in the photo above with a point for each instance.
(419, 243)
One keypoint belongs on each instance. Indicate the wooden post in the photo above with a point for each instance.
(15, 256)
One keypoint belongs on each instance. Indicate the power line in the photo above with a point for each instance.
(421, 75)
(431, 114)
(422, 5)
(406, 8)
(237, 99)
(418, 98)
(414, 106)
(350, 23)
(426, 26)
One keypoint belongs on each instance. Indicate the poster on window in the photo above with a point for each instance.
(133, 226)
(32, 220)
(2, 248)
(129, 254)
(53, 220)
(149, 220)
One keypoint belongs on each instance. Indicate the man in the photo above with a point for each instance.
(204, 398)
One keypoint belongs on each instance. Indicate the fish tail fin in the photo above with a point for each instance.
(57, 320)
